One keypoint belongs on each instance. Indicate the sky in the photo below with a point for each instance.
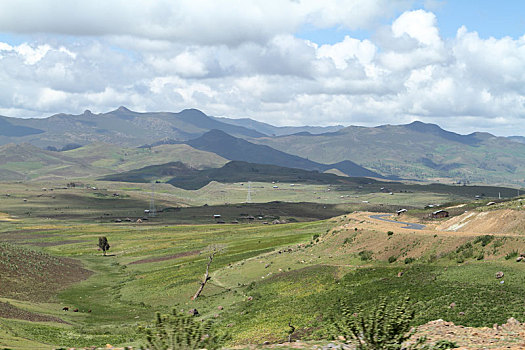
(456, 63)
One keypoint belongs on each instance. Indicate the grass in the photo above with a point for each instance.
(267, 275)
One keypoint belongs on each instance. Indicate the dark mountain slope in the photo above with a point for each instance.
(237, 171)
(234, 148)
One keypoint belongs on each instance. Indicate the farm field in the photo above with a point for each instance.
(264, 276)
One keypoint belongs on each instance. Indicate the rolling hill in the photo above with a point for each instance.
(234, 148)
(234, 171)
(27, 162)
(416, 150)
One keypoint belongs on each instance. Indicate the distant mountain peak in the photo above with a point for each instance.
(123, 109)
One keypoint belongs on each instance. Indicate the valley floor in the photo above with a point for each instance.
(265, 276)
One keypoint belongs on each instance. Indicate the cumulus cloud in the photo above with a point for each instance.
(247, 62)
(204, 22)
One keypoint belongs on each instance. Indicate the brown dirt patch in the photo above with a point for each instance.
(10, 311)
(52, 244)
(504, 221)
(26, 274)
(510, 335)
(164, 258)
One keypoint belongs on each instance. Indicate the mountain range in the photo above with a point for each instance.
(417, 150)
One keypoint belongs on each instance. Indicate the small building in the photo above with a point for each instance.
(439, 214)
(216, 216)
(401, 211)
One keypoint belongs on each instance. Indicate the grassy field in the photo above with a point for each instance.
(264, 277)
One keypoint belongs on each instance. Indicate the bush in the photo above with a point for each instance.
(392, 259)
(390, 233)
(485, 240)
(409, 260)
(385, 327)
(365, 255)
(315, 237)
(180, 331)
(511, 255)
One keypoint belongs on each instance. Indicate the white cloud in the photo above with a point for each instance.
(246, 62)
(204, 22)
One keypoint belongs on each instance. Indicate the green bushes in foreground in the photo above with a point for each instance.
(179, 331)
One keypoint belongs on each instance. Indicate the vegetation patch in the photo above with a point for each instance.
(9, 311)
(27, 274)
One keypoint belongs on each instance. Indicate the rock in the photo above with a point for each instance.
(220, 307)
(500, 274)
(519, 258)
(461, 313)
(250, 298)
(452, 305)
(266, 343)
(512, 322)
(193, 312)
(400, 274)
(267, 266)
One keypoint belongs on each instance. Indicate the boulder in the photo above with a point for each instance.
(500, 274)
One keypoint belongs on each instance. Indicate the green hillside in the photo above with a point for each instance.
(27, 162)
(417, 150)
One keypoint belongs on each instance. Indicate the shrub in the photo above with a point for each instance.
(180, 331)
(392, 259)
(485, 240)
(315, 237)
(385, 327)
(390, 233)
(511, 255)
(365, 255)
(409, 260)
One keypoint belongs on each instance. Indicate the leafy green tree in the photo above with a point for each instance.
(179, 331)
(103, 244)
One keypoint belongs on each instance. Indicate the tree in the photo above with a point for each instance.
(212, 250)
(103, 244)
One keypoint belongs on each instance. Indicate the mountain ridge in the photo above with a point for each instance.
(239, 149)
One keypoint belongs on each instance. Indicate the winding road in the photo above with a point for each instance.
(409, 225)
